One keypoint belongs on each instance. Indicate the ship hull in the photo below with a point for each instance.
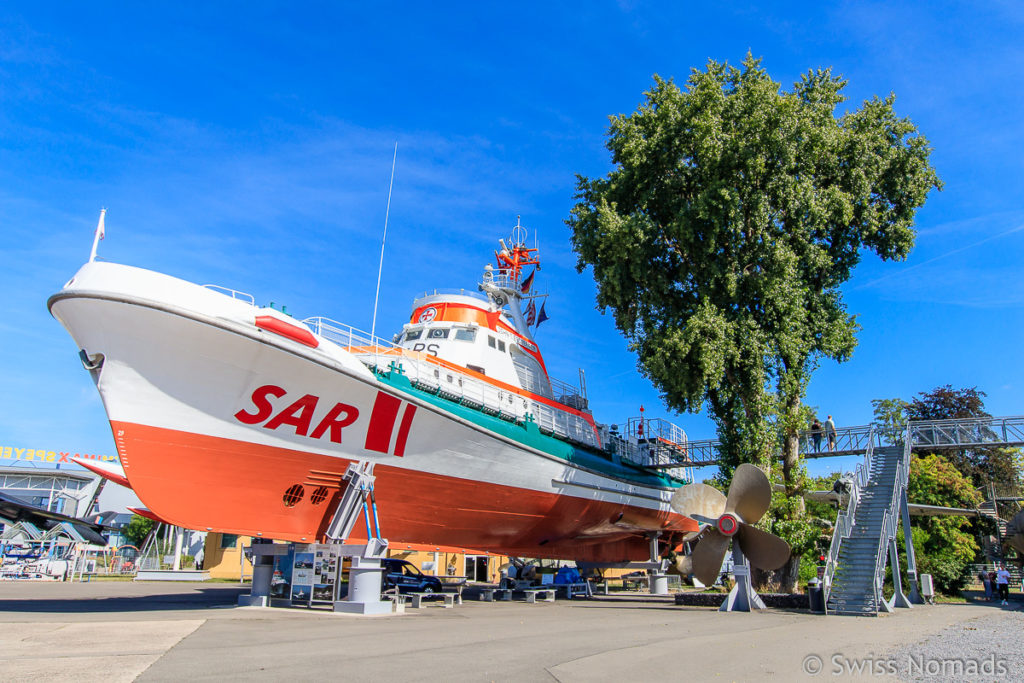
(223, 426)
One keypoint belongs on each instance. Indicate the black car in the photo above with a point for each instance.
(407, 578)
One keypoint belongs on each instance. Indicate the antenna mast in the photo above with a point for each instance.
(380, 268)
(97, 236)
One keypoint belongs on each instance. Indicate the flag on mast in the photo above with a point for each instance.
(542, 316)
(531, 314)
(527, 282)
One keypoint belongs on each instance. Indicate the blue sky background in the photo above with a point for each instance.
(250, 145)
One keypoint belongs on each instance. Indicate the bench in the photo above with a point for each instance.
(397, 600)
(574, 589)
(448, 598)
(492, 594)
(545, 594)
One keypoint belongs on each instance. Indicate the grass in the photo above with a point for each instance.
(941, 599)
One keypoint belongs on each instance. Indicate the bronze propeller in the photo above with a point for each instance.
(731, 517)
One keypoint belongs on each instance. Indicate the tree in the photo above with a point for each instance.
(890, 418)
(721, 238)
(943, 546)
(137, 529)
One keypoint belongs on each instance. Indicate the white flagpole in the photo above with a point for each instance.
(380, 268)
(97, 237)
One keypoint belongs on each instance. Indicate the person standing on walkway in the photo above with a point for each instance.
(983, 577)
(816, 435)
(830, 432)
(1003, 583)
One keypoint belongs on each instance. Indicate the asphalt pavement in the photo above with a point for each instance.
(122, 631)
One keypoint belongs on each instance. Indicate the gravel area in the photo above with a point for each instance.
(982, 649)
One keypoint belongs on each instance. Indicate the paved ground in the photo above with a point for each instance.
(165, 632)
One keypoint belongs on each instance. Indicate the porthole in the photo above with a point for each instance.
(293, 495)
(318, 496)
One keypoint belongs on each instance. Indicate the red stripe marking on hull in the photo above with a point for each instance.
(403, 429)
(382, 422)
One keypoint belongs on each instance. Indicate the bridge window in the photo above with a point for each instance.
(413, 334)
(501, 346)
(437, 333)
(491, 342)
(465, 335)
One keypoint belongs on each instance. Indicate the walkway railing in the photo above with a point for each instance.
(860, 439)
(965, 433)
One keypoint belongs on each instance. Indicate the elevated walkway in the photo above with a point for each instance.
(993, 432)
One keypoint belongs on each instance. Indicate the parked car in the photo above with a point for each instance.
(404, 575)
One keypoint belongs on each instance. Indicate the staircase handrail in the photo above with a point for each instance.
(883, 541)
(846, 518)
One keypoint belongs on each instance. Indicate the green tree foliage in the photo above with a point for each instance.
(137, 529)
(720, 240)
(943, 546)
(890, 418)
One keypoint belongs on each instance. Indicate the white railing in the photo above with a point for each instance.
(890, 521)
(880, 551)
(345, 335)
(456, 386)
(967, 432)
(461, 292)
(233, 293)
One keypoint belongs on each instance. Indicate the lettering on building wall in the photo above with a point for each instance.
(48, 456)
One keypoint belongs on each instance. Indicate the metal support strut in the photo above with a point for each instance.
(366, 572)
(742, 597)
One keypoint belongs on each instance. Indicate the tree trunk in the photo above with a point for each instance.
(782, 580)
(791, 446)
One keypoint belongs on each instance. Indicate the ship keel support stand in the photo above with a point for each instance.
(657, 579)
(365, 572)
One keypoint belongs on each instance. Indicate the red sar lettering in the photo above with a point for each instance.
(299, 414)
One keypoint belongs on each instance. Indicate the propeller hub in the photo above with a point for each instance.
(728, 525)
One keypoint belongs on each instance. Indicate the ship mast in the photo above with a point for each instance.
(505, 284)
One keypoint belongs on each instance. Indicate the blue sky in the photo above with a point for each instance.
(250, 145)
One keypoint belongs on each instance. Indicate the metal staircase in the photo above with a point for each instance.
(853, 585)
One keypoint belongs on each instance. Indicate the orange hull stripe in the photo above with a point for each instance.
(211, 483)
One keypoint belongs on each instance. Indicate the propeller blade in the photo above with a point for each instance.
(683, 565)
(750, 493)
(764, 550)
(708, 555)
(700, 502)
